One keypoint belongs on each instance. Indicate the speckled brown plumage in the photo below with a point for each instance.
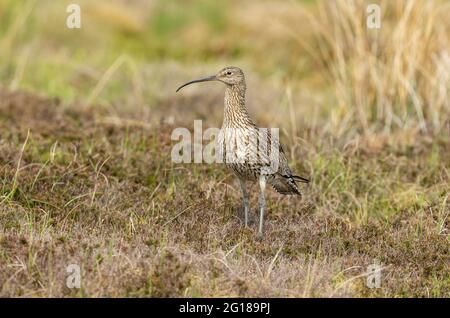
(237, 117)
(246, 149)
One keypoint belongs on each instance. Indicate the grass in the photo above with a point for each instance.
(107, 197)
(398, 72)
(86, 176)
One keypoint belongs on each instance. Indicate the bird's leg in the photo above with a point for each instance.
(245, 200)
(262, 202)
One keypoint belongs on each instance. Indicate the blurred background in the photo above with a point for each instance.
(311, 63)
(86, 178)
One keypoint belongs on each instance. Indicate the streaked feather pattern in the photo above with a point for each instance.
(241, 139)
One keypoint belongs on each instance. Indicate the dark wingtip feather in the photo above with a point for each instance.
(285, 185)
(300, 179)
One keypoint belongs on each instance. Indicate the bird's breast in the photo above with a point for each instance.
(242, 146)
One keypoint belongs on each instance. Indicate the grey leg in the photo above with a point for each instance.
(245, 200)
(262, 202)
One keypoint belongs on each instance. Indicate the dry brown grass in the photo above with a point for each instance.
(86, 176)
(108, 198)
(397, 76)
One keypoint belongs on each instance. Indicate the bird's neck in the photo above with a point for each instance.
(235, 112)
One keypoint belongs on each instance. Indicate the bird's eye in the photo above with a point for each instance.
(228, 73)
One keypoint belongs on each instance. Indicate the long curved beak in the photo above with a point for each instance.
(204, 79)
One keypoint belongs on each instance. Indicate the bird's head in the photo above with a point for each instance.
(230, 75)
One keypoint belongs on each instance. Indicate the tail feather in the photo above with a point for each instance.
(300, 179)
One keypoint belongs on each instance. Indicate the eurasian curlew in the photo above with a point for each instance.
(252, 153)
